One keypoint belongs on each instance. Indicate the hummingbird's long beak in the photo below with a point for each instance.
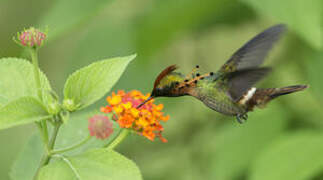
(150, 98)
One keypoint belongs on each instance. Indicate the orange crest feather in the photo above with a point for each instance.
(164, 73)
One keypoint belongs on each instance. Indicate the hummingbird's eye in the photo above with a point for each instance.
(177, 83)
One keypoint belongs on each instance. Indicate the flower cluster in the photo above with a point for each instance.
(144, 120)
(100, 126)
(31, 37)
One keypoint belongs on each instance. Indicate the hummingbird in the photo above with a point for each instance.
(230, 90)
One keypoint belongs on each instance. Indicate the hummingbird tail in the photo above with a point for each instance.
(262, 96)
(287, 90)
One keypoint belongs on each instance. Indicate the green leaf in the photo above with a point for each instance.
(235, 147)
(66, 15)
(306, 24)
(94, 164)
(70, 133)
(76, 129)
(17, 80)
(25, 166)
(22, 111)
(295, 156)
(90, 83)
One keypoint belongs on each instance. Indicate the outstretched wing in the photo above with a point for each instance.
(239, 82)
(241, 71)
(253, 53)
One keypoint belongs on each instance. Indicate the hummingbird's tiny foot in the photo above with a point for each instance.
(242, 118)
(239, 120)
(245, 117)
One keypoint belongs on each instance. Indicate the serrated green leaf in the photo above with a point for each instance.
(72, 132)
(306, 24)
(68, 14)
(17, 80)
(295, 156)
(22, 111)
(90, 83)
(100, 164)
(76, 129)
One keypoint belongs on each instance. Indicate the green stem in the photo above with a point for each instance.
(45, 131)
(47, 156)
(123, 134)
(40, 128)
(72, 147)
(52, 141)
(34, 59)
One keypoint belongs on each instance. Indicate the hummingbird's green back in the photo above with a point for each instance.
(216, 97)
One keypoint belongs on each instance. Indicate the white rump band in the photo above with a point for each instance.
(248, 96)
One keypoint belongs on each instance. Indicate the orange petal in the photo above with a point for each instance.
(142, 122)
(114, 100)
(164, 140)
(135, 112)
(106, 109)
(121, 92)
(127, 105)
(159, 107)
(118, 109)
(164, 118)
(149, 135)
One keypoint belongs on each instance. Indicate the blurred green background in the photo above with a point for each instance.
(283, 141)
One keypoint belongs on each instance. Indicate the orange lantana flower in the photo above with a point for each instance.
(144, 120)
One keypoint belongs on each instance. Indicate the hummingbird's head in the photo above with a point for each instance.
(173, 84)
(167, 82)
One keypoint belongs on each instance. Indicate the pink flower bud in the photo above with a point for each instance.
(100, 126)
(31, 38)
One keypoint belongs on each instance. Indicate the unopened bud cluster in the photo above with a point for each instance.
(31, 38)
(100, 126)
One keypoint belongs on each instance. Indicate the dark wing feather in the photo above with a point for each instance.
(241, 81)
(253, 53)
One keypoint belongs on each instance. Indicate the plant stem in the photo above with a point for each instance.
(34, 59)
(40, 128)
(45, 131)
(122, 135)
(46, 157)
(52, 141)
(72, 147)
